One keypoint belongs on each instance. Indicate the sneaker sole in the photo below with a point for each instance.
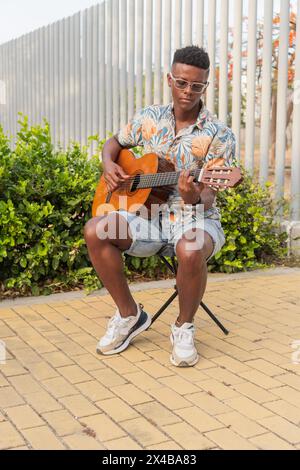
(184, 363)
(126, 343)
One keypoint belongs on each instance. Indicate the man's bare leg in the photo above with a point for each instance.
(191, 277)
(106, 257)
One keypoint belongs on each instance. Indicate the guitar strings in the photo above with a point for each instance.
(168, 179)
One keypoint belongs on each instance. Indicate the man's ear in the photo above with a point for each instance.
(169, 80)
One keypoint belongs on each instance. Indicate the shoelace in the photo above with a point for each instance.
(185, 336)
(116, 322)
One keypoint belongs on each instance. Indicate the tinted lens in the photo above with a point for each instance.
(198, 88)
(181, 84)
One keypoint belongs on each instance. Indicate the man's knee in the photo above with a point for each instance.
(112, 228)
(93, 229)
(190, 254)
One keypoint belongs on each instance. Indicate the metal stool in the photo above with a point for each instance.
(169, 252)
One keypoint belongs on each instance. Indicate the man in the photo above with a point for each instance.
(187, 134)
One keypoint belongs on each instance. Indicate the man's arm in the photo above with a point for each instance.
(111, 150)
(113, 174)
(208, 197)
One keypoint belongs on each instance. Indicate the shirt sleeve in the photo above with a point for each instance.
(131, 134)
(222, 149)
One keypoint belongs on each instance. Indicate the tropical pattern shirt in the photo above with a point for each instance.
(206, 143)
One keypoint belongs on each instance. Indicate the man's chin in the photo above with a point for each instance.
(186, 105)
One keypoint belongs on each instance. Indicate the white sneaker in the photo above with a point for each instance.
(120, 331)
(184, 353)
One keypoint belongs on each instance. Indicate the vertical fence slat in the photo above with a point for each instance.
(67, 82)
(223, 87)
(18, 78)
(4, 78)
(77, 74)
(157, 58)
(89, 81)
(31, 79)
(212, 54)
(123, 63)
(236, 79)
(14, 80)
(101, 91)
(32, 84)
(295, 176)
(52, 102)
(23, 78)
(95, 71)
(282, 86)
(9, 86)
(139, 54)
(2, 89)
(115, 62)
(148, 54)
(84, 77)
(61, 82)
(108, 44)
(178, 24)
(167, 49)
(6, 51)
(199, 15)
(131, 57)
(42, 78)
(188, 23)
(251, 82)
(72, 92)
(38, 76)
(46, 52)
(266, 92)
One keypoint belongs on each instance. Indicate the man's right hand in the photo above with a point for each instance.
(114, 176)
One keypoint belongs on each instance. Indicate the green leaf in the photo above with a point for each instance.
(23, 262)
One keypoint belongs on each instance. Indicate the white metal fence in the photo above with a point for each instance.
(87, 74)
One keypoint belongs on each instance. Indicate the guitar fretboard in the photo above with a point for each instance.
(153, 180)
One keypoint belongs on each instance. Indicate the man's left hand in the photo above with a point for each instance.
(189, 191)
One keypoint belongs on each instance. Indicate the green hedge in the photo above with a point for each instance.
(45, 201)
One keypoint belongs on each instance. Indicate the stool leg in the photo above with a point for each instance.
(214, 318)
(173, 269)
(163, 308)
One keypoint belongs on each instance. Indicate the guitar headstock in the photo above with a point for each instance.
(222, 177)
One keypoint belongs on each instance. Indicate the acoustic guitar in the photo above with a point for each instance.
(152, 180)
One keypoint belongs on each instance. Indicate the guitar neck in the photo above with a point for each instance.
(156, 180)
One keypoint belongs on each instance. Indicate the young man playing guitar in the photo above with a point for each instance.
(188, 135)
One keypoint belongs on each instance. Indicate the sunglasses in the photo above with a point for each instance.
(196, 87)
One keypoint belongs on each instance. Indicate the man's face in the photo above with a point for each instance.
(186, 99)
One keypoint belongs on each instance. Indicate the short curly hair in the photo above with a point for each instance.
(192, 55)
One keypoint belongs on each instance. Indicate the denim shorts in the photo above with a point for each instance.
(150, 236)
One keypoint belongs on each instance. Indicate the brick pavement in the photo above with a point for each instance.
(57, 393)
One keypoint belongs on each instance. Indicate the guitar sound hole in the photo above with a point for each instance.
(135, 183)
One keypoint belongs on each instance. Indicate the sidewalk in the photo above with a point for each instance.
(57, 393)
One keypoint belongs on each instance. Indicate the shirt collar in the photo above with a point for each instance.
(202, 116)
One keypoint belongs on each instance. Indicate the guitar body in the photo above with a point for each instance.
(152, 180)
(126, 199)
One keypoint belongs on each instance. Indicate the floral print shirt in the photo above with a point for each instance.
(207, 142)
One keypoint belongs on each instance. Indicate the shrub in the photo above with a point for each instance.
(45, 200)
(252, 229)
